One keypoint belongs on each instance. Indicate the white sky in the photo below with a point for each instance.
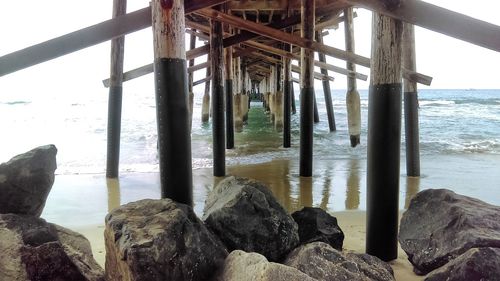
(452, 63)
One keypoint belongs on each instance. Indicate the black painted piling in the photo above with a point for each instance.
(411, 105)
(384, 138)
(307, 92)
(115, 97)
(326, 89)
(287, 100)
(172, 109)
(229, 98)
(218, 122)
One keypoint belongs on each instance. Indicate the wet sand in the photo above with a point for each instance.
(80, 202)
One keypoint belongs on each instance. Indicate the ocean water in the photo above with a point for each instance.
(452, 122)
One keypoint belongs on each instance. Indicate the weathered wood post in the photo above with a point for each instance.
(384, 138)
(115, 96)
(218, 122)
(278, 121)
(307, 91)
(244, 96)
(172, 109)
(205, 106)
(292, 94)
(287, 99)
(352, 97)
(411, 105)
(192, 45)
(326, 88)
(229, 98)
(238, 116)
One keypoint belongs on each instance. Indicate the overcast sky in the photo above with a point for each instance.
(452, 63)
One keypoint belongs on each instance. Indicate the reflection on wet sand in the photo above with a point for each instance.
(352, 186)
(275, 174)
(113, 186)
(306, 192)
(326, 189)
(412, 188)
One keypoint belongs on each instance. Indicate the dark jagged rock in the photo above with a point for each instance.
(242, 266)
(322, 262)
(26, 180)
(159, 240)
(32, 249)
(440, 225)
(246, 216)
(315, 224)
(478, 264)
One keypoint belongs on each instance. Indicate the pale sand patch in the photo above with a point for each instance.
(352, 223)
(95, 234)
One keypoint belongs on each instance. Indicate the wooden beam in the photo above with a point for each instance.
(87, 37)
(317, 75)
(146, 69)
(440, 20)
(230, 41)
(201, 81)
(299, 41)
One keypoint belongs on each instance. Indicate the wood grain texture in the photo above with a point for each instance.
(168, 29)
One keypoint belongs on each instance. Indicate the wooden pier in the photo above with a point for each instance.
(250, 49)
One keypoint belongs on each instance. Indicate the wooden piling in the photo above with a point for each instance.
(238, 115)
(287, 100)
(115, 97)
(192, 45)
(307, 91)
(244, 96)
(326, 88)
(218, 123)
(278, 116)
(292, 94)
(229, 98)
(205, 107)
(384, 137)
(352, 96)
(411, 105)
(316, 113)
(174, 136)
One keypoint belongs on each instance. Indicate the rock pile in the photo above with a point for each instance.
(31, 248)
(163, 240)
(441, 227)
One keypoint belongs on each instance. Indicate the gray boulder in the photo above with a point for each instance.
(32, 249)
(440, 225)
(26, 180)
(159, 240)
(246, 216)
(321, 261)
(478, 264)
(315, 225)
(241, 266)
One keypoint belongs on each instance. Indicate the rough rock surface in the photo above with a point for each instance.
(477, 264)
(321, 261)
(159, 240)
(242, 266)
(315, 224)
(32, 249)
(246, 216)
(26, 180)
(440, 225)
